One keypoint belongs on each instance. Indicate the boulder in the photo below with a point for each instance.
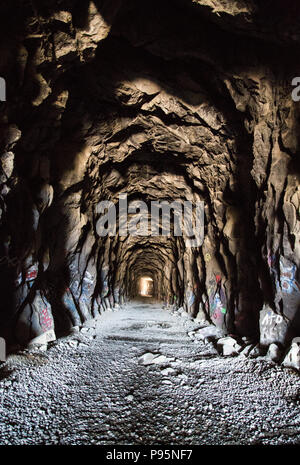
(274, 353)
(273, 327)
(229, 346)
(292, 358)
(209, 331)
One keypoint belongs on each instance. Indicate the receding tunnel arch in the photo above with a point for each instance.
(151, 107)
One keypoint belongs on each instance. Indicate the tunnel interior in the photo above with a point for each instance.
(130, 103)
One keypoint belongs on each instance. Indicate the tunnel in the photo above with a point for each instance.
(150, 158)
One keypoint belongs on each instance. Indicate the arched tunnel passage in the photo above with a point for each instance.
(162, 122)
(119, 120)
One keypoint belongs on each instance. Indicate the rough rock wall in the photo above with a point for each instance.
(105, 98)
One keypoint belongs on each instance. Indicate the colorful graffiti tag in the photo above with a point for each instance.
(87, 286)
(69, 303)
(105, 289)
(31, 273)
(190, 297)
(218, 309)
(46, 321)
(44, 313)
(288, 281)
(217, 301)
(271, 260)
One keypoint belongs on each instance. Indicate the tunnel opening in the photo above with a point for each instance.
(146, 286)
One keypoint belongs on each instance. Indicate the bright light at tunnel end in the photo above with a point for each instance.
(136, 219)
(146, 286)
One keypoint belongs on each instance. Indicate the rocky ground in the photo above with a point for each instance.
(134, 376)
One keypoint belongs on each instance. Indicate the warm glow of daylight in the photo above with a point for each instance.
(146, 286)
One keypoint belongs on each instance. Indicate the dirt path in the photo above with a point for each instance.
(135, 377)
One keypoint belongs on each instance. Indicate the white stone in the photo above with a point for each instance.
(292, 359)
(147, 358)
(168, 371)
(75, 329)
(73, 344)
(209, 331)
(229, 346)
(160, 359)
(84, 330)
(273, 353)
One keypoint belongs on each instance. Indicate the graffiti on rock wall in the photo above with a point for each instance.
(87, 288)
(75, 287)
(46, 319)
(271, 260)
(217, 307)
(87, 285)
(68, 301)
(74, 279)
(43, 312)
(105, 289)
(45, 315)
(22, 288)
(31, 273)
(288, 281)
(216, 301)
(273, 327)
(104, 282)
(190, 297)
(271, 319)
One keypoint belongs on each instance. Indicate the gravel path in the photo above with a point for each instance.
(134, 377)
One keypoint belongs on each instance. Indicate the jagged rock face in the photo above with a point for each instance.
(105, 98)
